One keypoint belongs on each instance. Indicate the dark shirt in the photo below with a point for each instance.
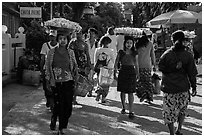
(177, 80)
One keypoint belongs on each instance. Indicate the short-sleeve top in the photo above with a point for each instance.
(45, 49)
(127, 59)
(61, 67)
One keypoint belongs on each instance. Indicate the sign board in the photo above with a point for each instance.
(30, 12)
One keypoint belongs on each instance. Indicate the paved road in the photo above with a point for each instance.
(28, 115)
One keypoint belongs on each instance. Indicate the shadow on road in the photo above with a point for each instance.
(32, 118)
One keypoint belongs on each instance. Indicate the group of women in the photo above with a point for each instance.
(133, 64)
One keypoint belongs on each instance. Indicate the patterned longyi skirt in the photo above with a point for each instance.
(174, 105)
(144, 87)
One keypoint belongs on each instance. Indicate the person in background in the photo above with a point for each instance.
(24, 63)
(128, 73)
(146, 59)
(44, 51)
(92, 45)
(120, 41)
(73, 35)
(154, 40)
(103, 58)
(113, 45)
(61, 76)
(178, 74)
(82, 56)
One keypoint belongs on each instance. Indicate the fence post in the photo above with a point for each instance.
(19, 44)
(6, 51)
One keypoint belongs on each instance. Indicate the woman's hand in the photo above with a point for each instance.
(154, 68)
(137, 77)
(48, 86)
(114, 74)
(194, 92)
(87, 70)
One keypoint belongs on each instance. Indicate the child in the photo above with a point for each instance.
(103, 58)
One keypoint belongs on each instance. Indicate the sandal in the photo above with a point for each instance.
(123, 111)
(144, 96)
(131, 115)
(52, 127)
(178, 133)
(60, 132)
(148, 101)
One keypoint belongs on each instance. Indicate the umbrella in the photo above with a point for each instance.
(175, 17)
(200, 17)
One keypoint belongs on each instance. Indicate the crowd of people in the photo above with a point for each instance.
(131, 60)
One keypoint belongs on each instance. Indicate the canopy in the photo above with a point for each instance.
(200, 17)
(175, 17)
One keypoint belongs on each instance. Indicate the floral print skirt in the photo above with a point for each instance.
(144, 86)
(174, 105)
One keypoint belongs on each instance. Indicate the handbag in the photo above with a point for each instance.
(156, 83)
(106, 76)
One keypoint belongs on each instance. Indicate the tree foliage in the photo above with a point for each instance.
(107, 14)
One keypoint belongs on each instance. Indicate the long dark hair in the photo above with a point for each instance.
(178, 37)
(143, 41)
(133, 46)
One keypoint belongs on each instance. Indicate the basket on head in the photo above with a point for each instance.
(63, 24)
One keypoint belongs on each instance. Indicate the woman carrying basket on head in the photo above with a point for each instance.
(128, 73)
(81, 52)
(104, 62)
(62, 74)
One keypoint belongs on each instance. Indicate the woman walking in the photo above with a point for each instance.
(61, 74)
(146, 59)
(128, 73)
(92, 45)
(81, 52)
(178, 74)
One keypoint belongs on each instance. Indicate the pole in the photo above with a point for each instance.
(51, 10)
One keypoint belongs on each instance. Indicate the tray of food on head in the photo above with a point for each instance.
(63, 24)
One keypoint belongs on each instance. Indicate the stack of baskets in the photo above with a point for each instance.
(83, 86)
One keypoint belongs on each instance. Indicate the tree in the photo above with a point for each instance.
(77, 9)
(111, 13)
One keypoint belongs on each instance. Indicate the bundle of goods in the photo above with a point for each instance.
(189, 34)
(147, 31)
(63, 24)
(135, 32)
